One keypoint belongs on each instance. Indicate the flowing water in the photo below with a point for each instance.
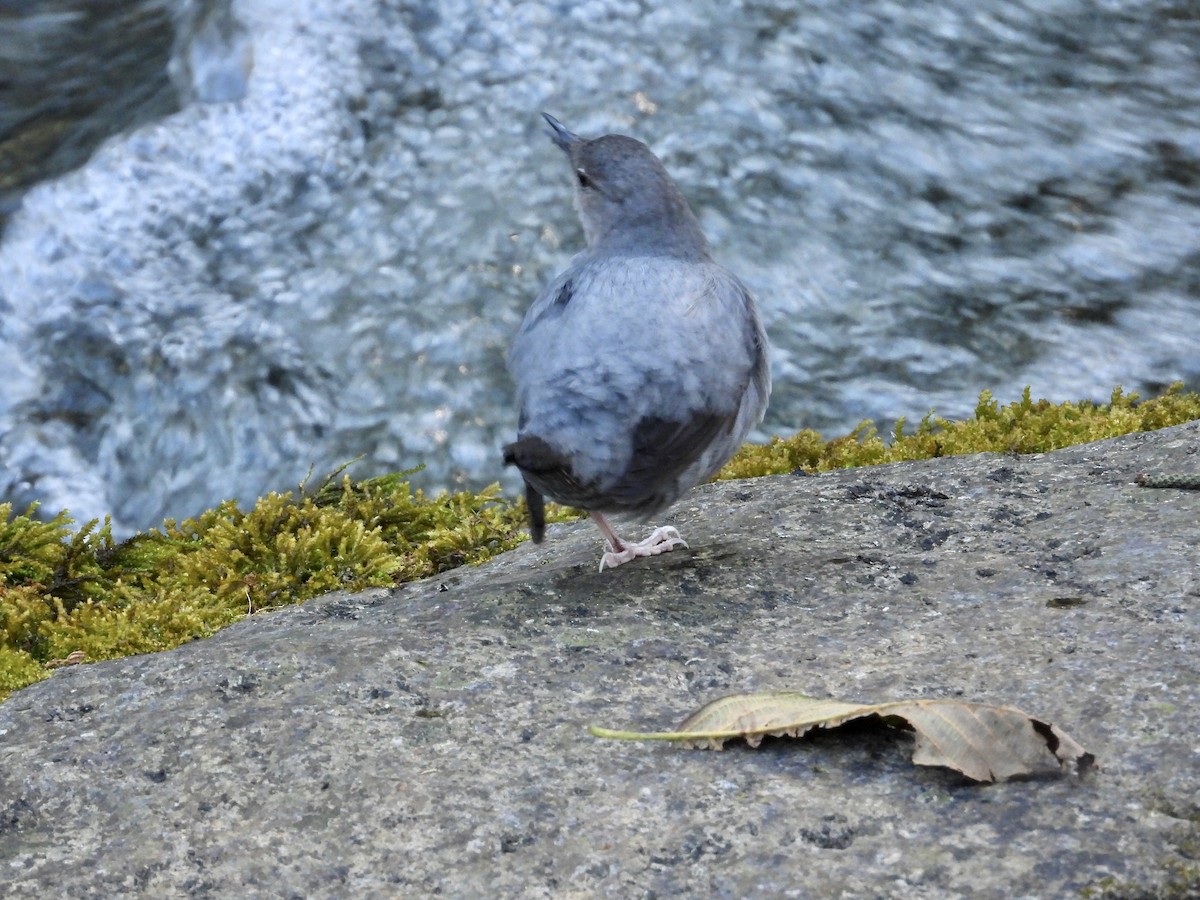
(323, 252)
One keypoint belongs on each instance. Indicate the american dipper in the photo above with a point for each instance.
(641, 368)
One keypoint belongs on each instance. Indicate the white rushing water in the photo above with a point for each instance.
(927, 201)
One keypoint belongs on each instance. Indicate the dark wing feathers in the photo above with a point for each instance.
(544, 469)
(565, 293)
(540, 463)
(662, 450)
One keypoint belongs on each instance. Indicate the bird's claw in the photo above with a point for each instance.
(661, 540)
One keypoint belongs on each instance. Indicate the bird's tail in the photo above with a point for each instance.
(537, 513)
(528, 453)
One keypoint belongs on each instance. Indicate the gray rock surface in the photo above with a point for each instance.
(927, 199)
(431, 739)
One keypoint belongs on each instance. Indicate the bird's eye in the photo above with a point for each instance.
(584, 180)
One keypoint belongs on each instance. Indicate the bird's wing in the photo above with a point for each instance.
(663, 449)
(546, 470)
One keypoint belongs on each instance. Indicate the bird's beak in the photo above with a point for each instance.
(562, 138)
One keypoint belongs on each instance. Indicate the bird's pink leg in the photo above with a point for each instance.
(660, 541)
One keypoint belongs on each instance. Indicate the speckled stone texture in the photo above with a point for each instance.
(431, 739)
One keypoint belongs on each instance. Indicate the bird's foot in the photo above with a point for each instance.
(661, 540)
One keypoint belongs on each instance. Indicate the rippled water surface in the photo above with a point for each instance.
(928, 200)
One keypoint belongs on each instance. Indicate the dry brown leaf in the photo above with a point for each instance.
(73, 658)
(985, 743)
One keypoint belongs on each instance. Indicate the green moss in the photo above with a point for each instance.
(65, 591)
(1025, 426)
(426, 535)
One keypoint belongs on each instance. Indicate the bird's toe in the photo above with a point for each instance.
(661, 540)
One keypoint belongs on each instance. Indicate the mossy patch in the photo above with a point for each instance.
(64, 591)
(67, 593)
(1024, 426)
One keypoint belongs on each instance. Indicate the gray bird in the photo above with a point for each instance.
(641, 368)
